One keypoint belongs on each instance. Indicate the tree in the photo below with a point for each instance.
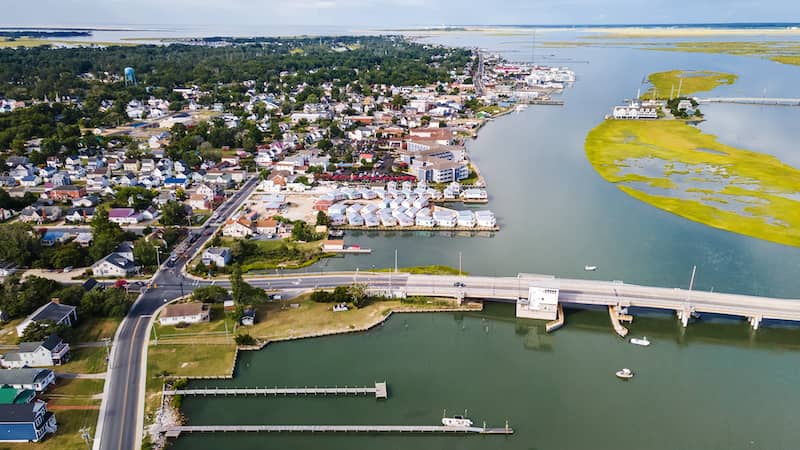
(210, 294)
(322, 218)
(39, 331)
(19, 244)
(107, 235)
(237, 285)
(173, 213)
(244, 339)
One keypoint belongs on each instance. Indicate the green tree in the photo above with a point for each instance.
(19, 243)
(173, 213)
(322, 218)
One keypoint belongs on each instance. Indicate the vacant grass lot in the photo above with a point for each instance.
(774, 217)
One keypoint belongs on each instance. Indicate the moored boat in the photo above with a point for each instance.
(643, 341)
(625, 373)
(456, 421)
(589, 268)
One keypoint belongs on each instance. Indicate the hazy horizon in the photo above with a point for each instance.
(386, 13)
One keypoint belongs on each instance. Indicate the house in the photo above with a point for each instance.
(238, 228)
(185, 313)
(124, 216)
(219, 256)
(30, 181)
(53, 311)
(76, 215)
(199, 201)
(176, 182)
(114, 265)
(267, 226)
(333, 245)
(27, 422)
(51, 352)
(248, 317)
(34, 379)
(66, 192)
(11, 396)
(39, 214)
(131, 165)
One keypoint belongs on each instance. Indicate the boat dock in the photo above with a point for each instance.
(175, 431)
(616, 320)
(380, 391)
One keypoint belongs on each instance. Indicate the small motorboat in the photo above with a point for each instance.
(456, 421)
(590, 268)
(625, 374)
(643, 341)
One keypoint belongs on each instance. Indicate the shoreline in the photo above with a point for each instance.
(326, 333)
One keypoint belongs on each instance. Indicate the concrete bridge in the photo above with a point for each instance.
(683, 302)
(752, 101)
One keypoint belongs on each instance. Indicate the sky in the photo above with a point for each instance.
(388, 13)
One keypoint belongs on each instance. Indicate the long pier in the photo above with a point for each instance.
(752, 101)
(176, 431)
(380, 391)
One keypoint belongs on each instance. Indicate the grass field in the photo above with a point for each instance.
(689, 82)
(721, 176)
(426, 270)
(86, 360)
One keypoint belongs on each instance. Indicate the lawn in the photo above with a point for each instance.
(761, 185)
(183, 360)
(688, 81)
(281, 253)
(278, 320)
(85, 360)
(426, 270)
(95, 329)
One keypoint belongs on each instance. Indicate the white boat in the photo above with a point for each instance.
(643, 341)
(456, 421)
(590, 268)
(625, 373)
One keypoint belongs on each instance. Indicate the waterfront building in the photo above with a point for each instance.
(26, 422)
(542, 303)
(193, 312)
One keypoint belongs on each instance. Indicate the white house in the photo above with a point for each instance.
(185, 313)
(51, 352)
(219, 256)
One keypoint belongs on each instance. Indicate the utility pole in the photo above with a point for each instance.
(459, 264)
(158, 256)
(395, 260)
(680, 86)
(691, 284)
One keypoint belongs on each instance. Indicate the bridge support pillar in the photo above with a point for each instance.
(754, 321)
(684, 315)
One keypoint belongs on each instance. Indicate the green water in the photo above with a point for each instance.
(702, 388)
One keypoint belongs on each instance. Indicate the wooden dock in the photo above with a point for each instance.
(616, 321)
(379, 390)
(553, 325)
(176, 431)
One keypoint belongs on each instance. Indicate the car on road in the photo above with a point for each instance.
(459, 284)
(67, 269)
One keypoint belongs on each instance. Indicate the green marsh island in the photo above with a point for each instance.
(672, 165)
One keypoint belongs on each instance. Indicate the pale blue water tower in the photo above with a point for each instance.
(130, 76)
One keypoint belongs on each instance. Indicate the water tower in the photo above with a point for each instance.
(130, 76)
